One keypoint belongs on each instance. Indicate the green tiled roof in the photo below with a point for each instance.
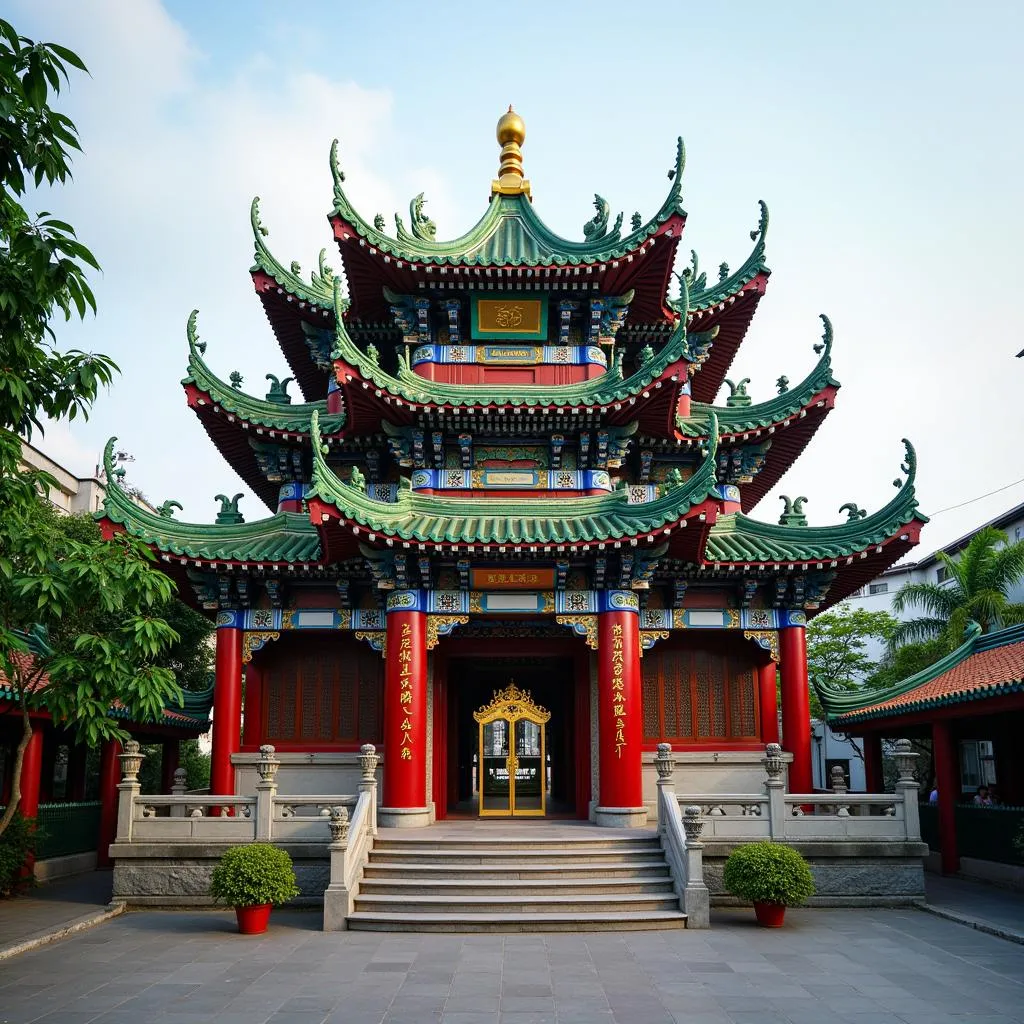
(285, 537)
(737, 419)
(754, 264)
(509, 234)
(605, 390)
(426, 518)
(737, 538)
(274, 415)
(319, 291)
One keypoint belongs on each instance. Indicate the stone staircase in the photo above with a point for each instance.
(612, 881)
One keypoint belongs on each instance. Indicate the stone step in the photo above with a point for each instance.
(581, 904)
(454, 888)
(643, 855)
(534, 922)
(431, 872)
(617, 843)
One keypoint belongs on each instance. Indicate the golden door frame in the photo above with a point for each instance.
(513, 705)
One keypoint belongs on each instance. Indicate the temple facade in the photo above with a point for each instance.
(510, 537)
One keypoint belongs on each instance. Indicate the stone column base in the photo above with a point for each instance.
(621, 817)
(403, 817)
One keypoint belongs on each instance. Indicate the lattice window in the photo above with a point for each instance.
(699, 695)
(321, 690)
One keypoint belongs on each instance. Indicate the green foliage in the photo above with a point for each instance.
(43, 266)
(768, 872)
(978, 581)
(252, 875)
(196, 765)
(16, 843)
(837, 648)
(902, 662)
(87, 610)
(1018, 843)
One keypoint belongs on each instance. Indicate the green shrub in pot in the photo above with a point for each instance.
(767, 872)
(253, 875)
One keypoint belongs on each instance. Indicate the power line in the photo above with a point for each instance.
(970, 501)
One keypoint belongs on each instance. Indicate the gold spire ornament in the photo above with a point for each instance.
(511, 133)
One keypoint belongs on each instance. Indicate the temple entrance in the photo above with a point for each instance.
(510, 740)
(512, 757)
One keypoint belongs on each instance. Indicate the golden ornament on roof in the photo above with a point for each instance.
(511, 133)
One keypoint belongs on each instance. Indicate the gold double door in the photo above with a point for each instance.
(512, 760)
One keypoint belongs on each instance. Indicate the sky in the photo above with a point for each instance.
(885, 139)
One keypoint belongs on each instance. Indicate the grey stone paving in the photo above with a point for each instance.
(999, 910)
(824, 967)
(52, 906)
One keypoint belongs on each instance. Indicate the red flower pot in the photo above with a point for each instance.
(770, 915)
(253, 920)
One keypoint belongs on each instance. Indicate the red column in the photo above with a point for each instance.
(110, 776)
(768, 697)
(873, 779)
(227, 703)
(947, 780)
(619, 710)
(796, 706)
(169, 760)
(404, 798)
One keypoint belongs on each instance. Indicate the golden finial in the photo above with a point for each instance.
(511, 134)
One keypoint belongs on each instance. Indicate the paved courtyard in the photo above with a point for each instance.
(824, 967)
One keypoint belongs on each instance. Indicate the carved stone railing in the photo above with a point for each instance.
(211, 818)
(680, 839)
(351, 843)
(793, 817)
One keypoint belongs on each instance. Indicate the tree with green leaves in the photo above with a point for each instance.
(77, 613)
(837, 647)
(977, 583)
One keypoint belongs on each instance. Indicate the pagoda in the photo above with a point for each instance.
(510, 536)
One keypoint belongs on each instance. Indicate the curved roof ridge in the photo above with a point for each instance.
(738, 419)
(289, 417)
(319, 290)
(605, 389)
(840, 702)
(537, 243)
(753, 265)
(532, 520)
(291, 532)
(857, 533)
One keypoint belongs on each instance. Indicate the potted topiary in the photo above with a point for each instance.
(252, 878)
(771, 876)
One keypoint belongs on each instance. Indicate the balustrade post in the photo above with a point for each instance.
(774, 767)
(266, 790)
(128, 790)
(664, 763)
(368, 781)
(840, 788)
(337, 897)
(178, 790)
(696, 898)
(907, 789)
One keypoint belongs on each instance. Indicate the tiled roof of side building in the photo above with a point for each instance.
(983, 666)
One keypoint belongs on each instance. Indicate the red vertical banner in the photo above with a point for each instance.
(796, 706)
(110, 776)
(227, 703)
(405, 709)
(620, 711)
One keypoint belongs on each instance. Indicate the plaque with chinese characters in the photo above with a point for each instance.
(512, 579)
(512, 316)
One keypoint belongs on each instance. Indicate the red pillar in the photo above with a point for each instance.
(227, 703)
(874, 781)
(619, 710)
(768, 697)
(796, 706)
(31, 772)
(404, 798)
(170, 758)
(110, 776)
(947, 780)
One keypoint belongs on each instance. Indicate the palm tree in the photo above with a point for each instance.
(976, 585)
